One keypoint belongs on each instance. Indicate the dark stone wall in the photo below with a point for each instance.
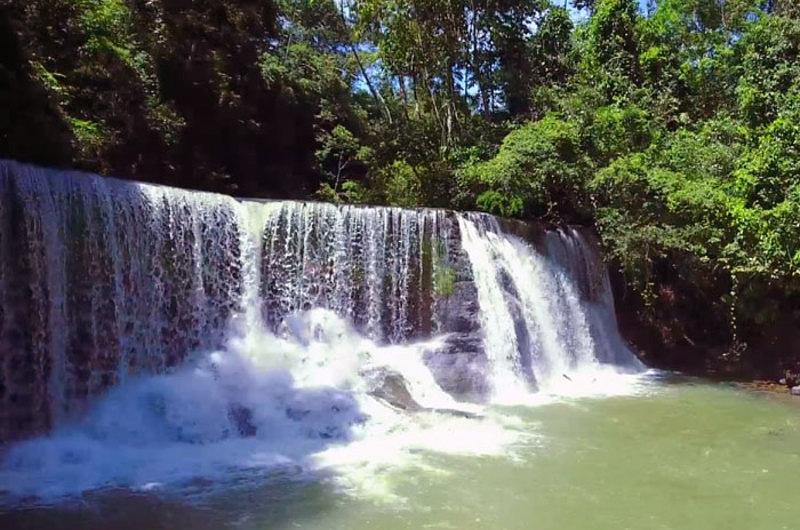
(460, 367)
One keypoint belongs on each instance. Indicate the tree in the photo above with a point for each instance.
(769, 67)
(611, 48)
(540, 169)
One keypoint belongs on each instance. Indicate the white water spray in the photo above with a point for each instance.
(165, 335)
(536, 321)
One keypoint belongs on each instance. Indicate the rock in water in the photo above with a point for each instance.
(390, 387)
(242, 418)
(795, 390)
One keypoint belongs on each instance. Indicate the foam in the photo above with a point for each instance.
(295, 404)
(266, 403)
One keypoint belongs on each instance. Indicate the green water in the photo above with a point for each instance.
(683, 456)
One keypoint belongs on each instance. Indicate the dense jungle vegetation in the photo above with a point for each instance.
(672, 126)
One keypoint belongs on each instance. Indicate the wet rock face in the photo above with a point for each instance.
(390, 387)
(460, 367)
(459, 311)
(533, 232)
(24, 363)
(101, 279)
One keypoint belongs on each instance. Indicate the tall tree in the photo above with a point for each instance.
(612, 47)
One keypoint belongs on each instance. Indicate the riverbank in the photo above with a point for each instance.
(769, 388)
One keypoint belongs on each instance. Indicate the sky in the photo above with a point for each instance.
(577, 15)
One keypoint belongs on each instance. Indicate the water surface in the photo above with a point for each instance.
(675, 455)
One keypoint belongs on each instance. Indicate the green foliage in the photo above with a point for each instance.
(675, 133)
(617, 131)
(444, 281)
(540, 169)
(90, 136)
(339, 151)
(676, 195)
(771, 168)
(444, 275)
(52, 82)
(350, 192)
(502, 204)
(107, 25)
(402, 184)
(302, 71)
(611, 48)
(769, 67)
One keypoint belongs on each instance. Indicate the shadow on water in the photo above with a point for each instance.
(280, 503)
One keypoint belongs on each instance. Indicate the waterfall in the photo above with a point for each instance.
(369, 265)
(546, 314)
(103, 280)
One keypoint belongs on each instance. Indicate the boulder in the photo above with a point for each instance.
(460, 367)
(795, 390)
(791, 379)
(390, 386)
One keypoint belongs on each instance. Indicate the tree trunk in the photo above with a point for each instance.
(376, 95)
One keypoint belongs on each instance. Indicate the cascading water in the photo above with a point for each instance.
(266, 333)
(546, 315)
(366, 264)
(102, 279)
